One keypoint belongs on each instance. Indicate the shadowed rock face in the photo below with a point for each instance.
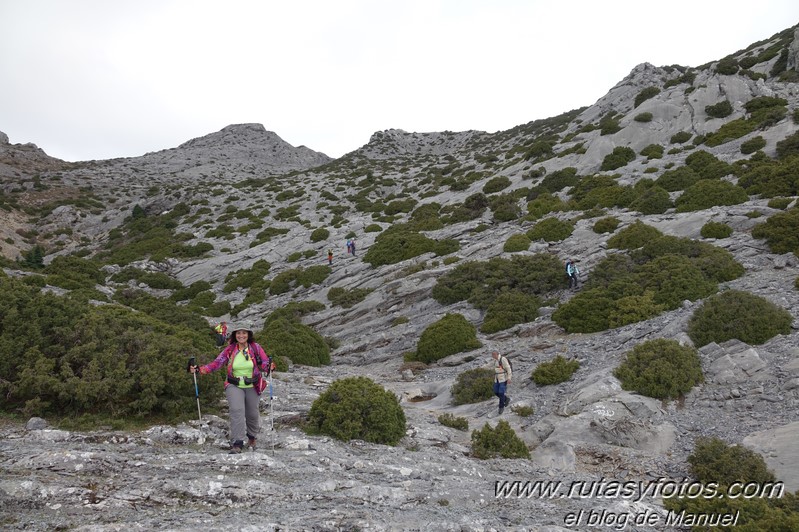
(587, 428)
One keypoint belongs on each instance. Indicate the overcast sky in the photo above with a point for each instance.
(97, 79)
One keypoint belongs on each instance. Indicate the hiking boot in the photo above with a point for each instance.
(251, 443)
(501, 409)
(507, 401)
(237, 447)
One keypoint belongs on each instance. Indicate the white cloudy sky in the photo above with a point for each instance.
(97, 79)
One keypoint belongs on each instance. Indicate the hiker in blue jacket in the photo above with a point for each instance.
(572, 272)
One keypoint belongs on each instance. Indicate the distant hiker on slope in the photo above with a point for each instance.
(246, 363)
(502, 376)
(349, 246)
(572, 272)
(352, 246)
(220, 332)
(330, 257)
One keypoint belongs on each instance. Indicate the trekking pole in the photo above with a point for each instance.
(196, 389)
(271, 414)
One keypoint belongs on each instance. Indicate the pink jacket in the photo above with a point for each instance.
(224, 358)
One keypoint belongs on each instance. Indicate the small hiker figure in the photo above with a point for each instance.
(221, 333)
(349, 246)
(352, 246)
(330, 257)
(502, 376)
(572, 272)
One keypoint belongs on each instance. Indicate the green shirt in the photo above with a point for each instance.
(243, 366)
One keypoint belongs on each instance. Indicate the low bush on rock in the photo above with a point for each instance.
(737, 314)
(496, 184)
(557, 370)
(781, 231)
(661, 368)
(717, 466)
(458, 423)
(515, 243)
(499, 442)
(473, 386)
(633, 236)
(449, 335)
(509, 309)
(551, 230)
(399, 243)
(481, 282)
(708, 193)
(715, 230)
(357, 408)
(97, 362)
(606, 225)
(620, 156)
(347, 298)
(286, 337)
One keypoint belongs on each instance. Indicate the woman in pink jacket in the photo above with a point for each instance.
(246, 363)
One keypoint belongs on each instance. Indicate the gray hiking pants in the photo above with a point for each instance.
(244, 416)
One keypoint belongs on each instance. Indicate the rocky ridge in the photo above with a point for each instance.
(588, 428)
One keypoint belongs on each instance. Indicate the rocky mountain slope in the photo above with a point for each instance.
(252, 197)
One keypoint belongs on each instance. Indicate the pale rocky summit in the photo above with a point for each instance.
(585, 429)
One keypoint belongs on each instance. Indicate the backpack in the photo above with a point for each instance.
(510, 363)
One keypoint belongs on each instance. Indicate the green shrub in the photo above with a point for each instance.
(781, 231)
(295, 341)
(246, 278)
(727, 66)
(707, 166)
(715, 461)
(732, 130)
(715, 230)
(509, 309)
(543, 205)
(674, 278)
(319, 234)
(788, 146)
(560, 179)
(505, 208)
(606, 225)
(473, 386)
(523, 411)
(551, 230)
(609, 124)
(653, 200)
(715, 263)
(458, 423)
(677, 179)
(358, 408)
(708, 193)
(294, 257)
(620, 156)
(557, 370)
(737, 314)
(634, 308)
(643, 117)
(97, 362)
(780, 203)
(652, 151)
(514, 243)
(482, 282)
(660, 368)
(496, 184)
(398, 243)
(347, 298)
(680, 138)
(717, 466)
(633, 236)
(449, 335)
(645, 94)
(722, 109)
(752, 145)
(499, 442)
(372, 228)
(586, 312)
